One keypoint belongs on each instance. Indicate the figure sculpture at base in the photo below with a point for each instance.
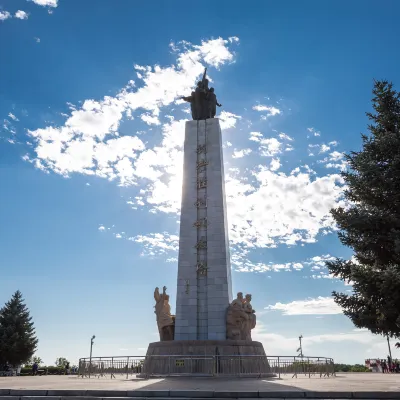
(165, 320)
(240, 318)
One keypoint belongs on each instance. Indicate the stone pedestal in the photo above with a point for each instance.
(206, 357)
(204, 285)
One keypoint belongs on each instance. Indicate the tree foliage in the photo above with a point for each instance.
(18, 341)
(33, 360)
(61, 362)
(370, 224)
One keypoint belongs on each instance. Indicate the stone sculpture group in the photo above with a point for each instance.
(203, 101)
(165, 320)
(240, 317)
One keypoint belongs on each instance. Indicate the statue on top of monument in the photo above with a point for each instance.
(240, 318)
(203, 101)
(165, 320)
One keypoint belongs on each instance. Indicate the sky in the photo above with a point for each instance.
(91, 136)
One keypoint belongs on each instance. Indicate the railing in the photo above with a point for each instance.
(203, 365)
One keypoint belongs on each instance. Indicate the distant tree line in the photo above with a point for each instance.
(351, 368)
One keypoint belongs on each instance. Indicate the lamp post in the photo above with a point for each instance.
(90, 358)
(301, 347)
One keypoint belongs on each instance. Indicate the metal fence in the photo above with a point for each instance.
(204, 365)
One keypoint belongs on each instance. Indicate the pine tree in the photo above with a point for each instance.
(370, 224)
(17, 333)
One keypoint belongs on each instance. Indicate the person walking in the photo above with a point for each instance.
(35, 368)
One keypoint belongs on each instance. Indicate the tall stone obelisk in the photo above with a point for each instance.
(207, 321)
(204, 287)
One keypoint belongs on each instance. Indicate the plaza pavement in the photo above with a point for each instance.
(351, 382)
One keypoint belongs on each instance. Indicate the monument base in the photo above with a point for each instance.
(206, 358)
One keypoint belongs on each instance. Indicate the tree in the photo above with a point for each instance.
(17, 333)
(34, 360)
(61, 362)
(370, 224)
(37, 360)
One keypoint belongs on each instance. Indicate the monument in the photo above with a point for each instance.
(208, 322)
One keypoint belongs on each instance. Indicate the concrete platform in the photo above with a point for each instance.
(161, 358)
(356, 385)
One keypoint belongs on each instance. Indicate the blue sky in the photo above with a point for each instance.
(91, 141)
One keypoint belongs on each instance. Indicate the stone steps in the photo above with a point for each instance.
(31, 394)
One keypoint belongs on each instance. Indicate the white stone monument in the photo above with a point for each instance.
(204, 287)
(204, 306)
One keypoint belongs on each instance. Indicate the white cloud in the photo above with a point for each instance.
(285, 136)
(37, 39)
(4, 15)
(275, 164)
(266, 207)
(314, 131)
(269, 147)
(44, 3)
(228, 120)
(21, 14)
(271, 111)
(311, 306)
(157, 244)
(89, 142)
(102, 228)
(335, 156)
(241, 153)
(255, 136)
(335, 160)
(13, 117)
(150, 119)
(348, 346)
(280, 208)
(241, 263)
(324, 148)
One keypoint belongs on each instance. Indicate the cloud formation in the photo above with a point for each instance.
(21, 14)
(268, 110)
(46, 3)
(87, 140)
(4, 15)
(316, 306)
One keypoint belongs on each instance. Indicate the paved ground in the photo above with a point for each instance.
(342, 382)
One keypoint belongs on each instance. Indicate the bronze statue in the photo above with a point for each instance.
(203, 101)
(165, 321)
(212, 103)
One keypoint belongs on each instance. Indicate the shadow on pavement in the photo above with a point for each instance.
(223, 384)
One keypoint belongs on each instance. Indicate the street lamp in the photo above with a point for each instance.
(300, 349)
(90, 358)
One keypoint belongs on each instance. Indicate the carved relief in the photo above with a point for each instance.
(201, 148)
(201, 183)
(202, 268)
(201, 203)
(202, 163)
(201, 223)
(201, 244)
